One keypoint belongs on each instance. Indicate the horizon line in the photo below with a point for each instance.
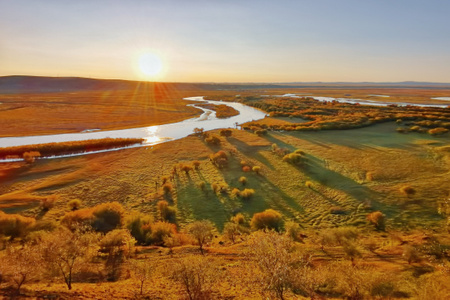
(240, 82)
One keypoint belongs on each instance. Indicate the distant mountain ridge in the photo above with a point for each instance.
(40, 84)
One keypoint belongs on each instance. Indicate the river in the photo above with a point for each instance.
(152, 134)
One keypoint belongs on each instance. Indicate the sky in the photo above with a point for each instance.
(229, 40)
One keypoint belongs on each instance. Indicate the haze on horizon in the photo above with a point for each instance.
(228, 41)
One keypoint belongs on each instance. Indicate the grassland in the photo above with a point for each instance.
(342, 176)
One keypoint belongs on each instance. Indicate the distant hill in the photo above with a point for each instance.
(38, 84)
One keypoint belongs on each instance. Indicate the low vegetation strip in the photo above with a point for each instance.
(67, 147)
(222, 111)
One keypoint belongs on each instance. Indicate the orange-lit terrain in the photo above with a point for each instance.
(317, 201)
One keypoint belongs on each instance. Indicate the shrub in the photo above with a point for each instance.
(118, 245)
(351, 251)
(293, 231)
(261, 132)
(167, 188)
(292, 158)
(78, 218)
(411, 254)
(238, 219)
(74, 204)
(186, 169)
(268, 219)
(226, 132)
(196, 164)
(246, 168)
(161, 230)
(247, 193)
(378, 219)
(14, 225)
(108, 216)
(166, 212)
(256, 169)
(235, 192)
(139, 226)
(220, 159)
(309, 184)
(370, 176)
(213, 140)
(408, 190)
(49, 202)
(30, 156)
(199, 132)
(243, 180)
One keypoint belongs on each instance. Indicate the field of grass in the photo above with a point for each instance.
(357, 173)
(340, 178)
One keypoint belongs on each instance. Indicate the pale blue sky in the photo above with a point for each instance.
(229, 41)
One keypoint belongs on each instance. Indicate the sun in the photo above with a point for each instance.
(150, 64)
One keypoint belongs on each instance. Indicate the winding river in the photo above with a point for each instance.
(152, 134)
(162, 133)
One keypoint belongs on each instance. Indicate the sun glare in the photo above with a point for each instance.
(150, 64)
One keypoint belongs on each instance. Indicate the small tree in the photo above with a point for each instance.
(142, 271)
(274, 258)
(117, 244)
(197, 275)
(67, 250)
(20, 264)
(202, 232)
(243, 180)
(232, 230)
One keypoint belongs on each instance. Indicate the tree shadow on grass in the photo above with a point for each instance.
(193, 203)
(251, 151)
(314, 168)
